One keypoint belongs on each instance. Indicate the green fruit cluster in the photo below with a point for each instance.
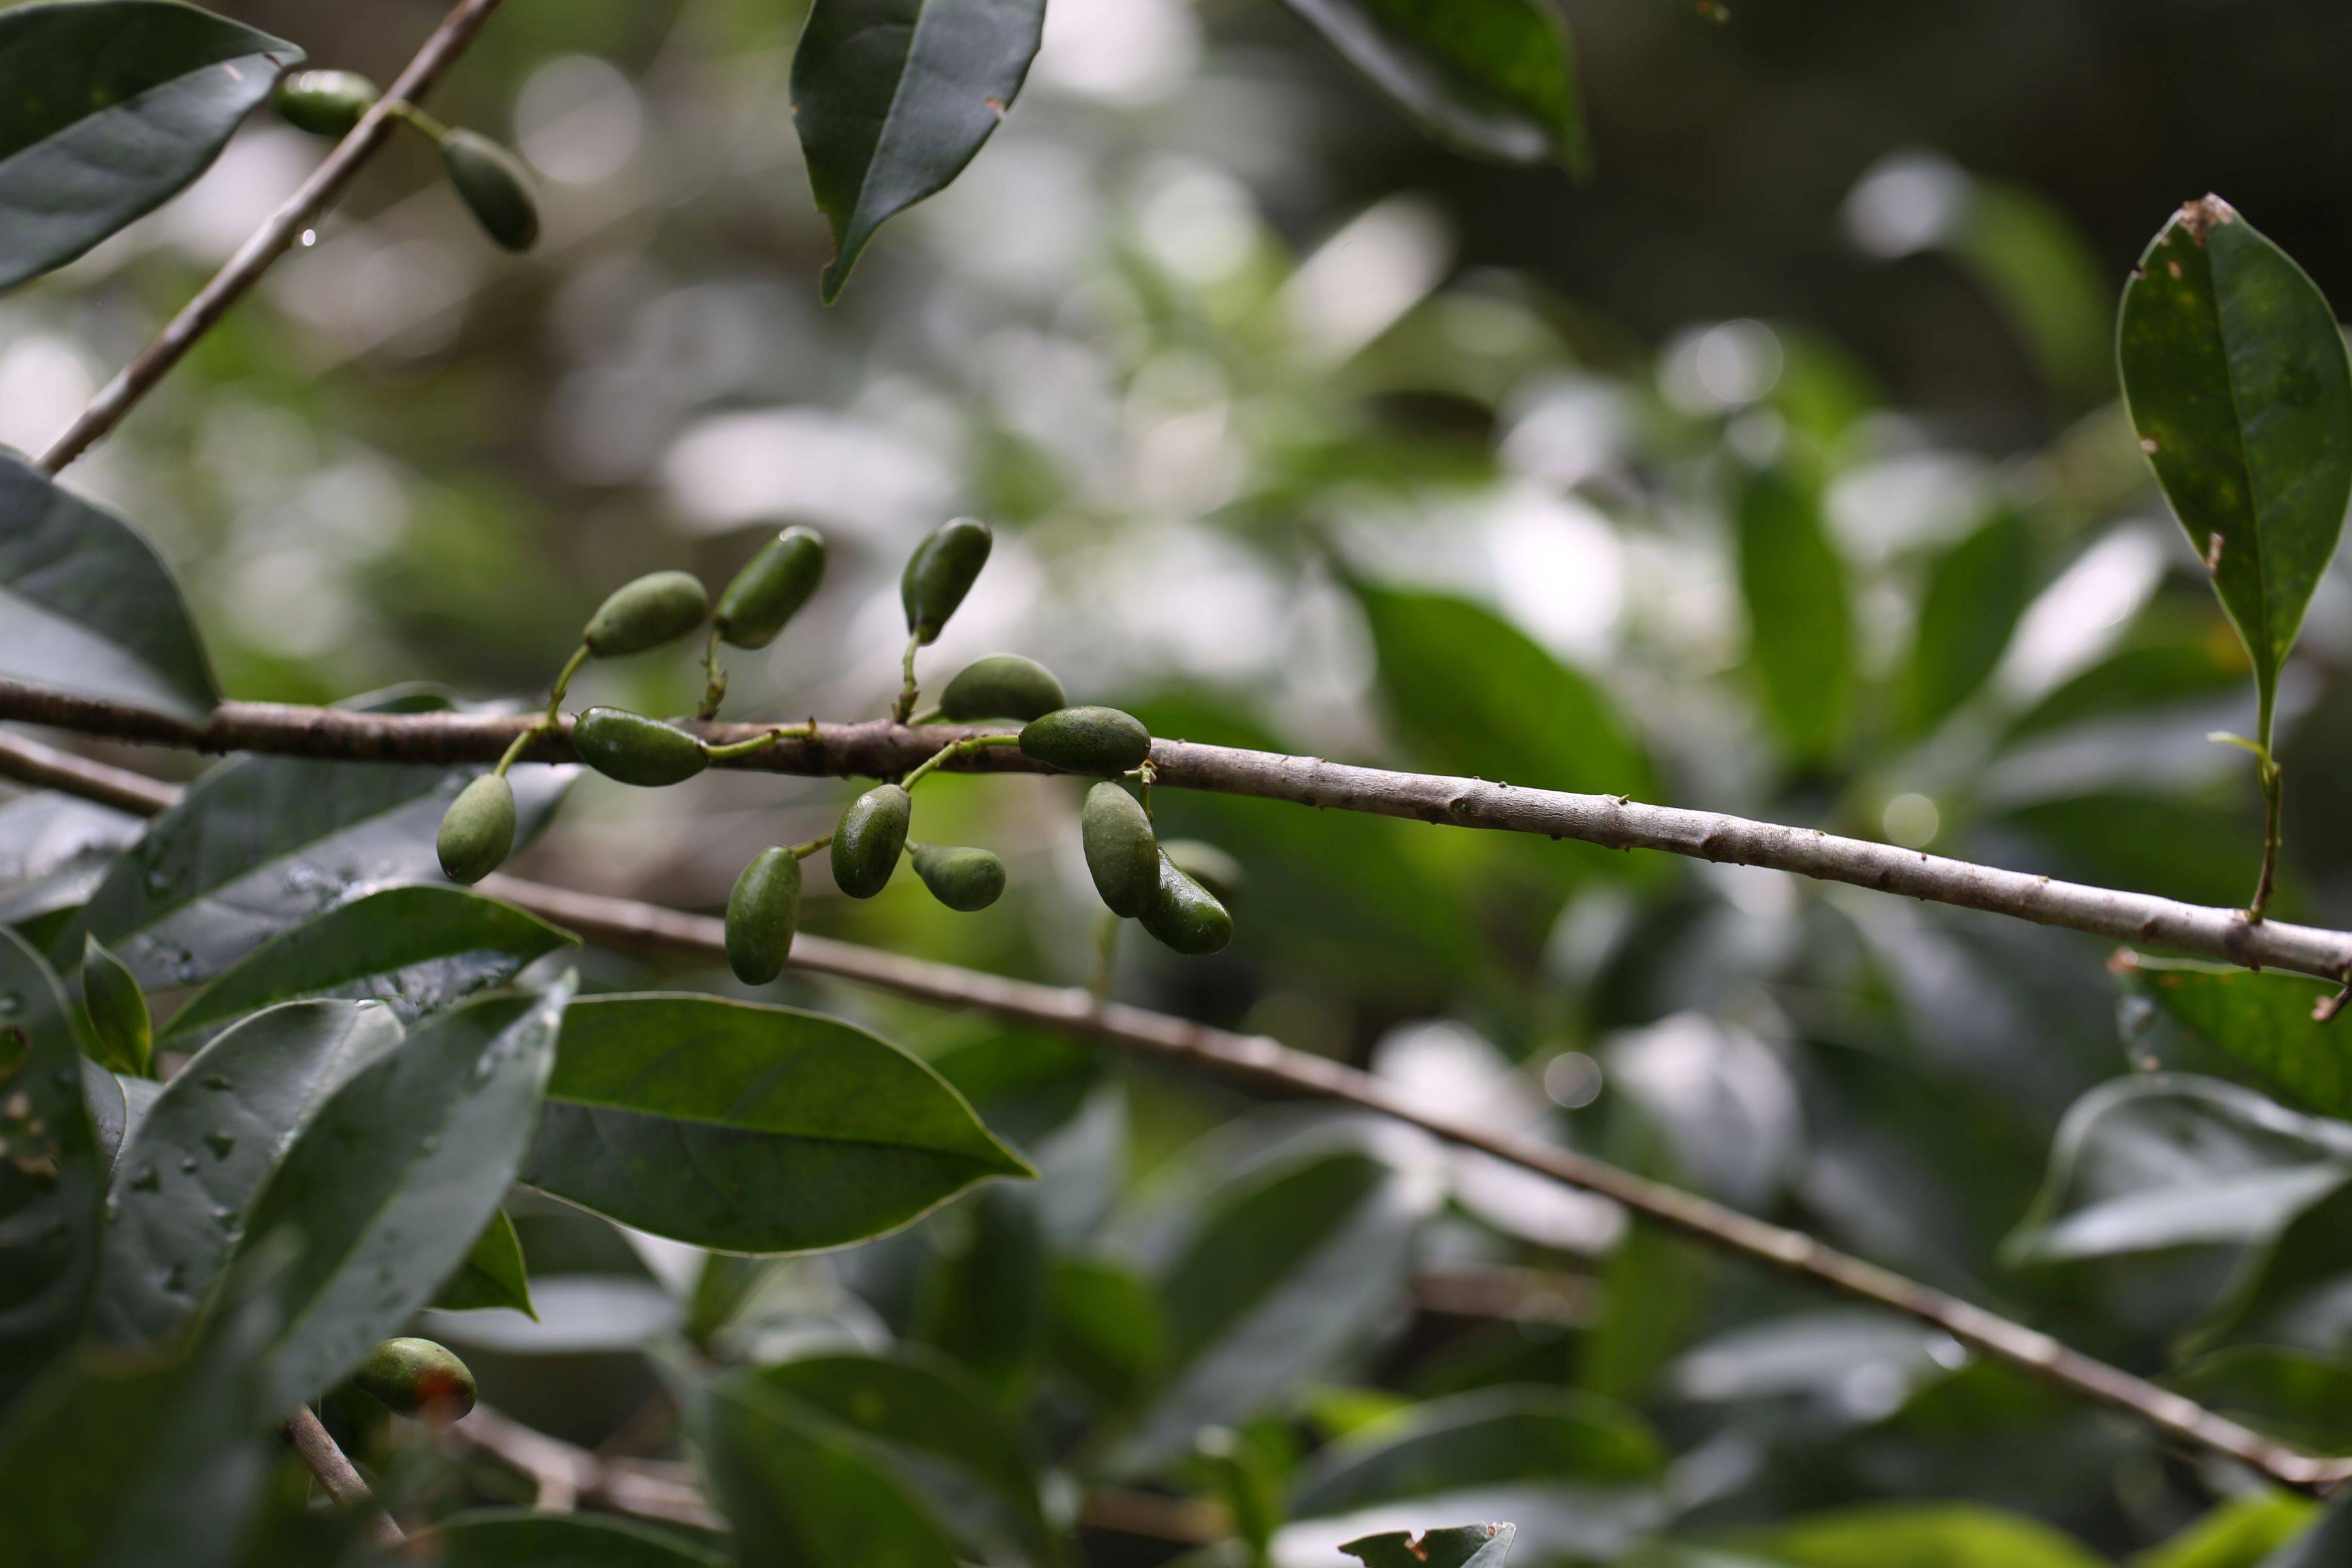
(488, 179)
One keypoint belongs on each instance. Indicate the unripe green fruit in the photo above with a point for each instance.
(117, 1008)
(762, 915)
(478, 830)
(1002, 685)
(636, 750)
(770, 588)
(1186, 916)
(326, 103)
(658, 607)
(1211, 867)
(1121, 855)
(1087, 739)
(962, 879)
(416, 1377)
(492, 184)
(872, 835)
(940, 573)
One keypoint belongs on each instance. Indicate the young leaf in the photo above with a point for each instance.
(493, 1274)
(397, 1174)
(2238, 383)
(802, 1490)
(85, 604)
(124, 1034)
(417, 950)
(259, 844)
(512, 1537)
(51, 1182)
(750, 1129)
(1461, 1546)
(1799, 618)
(1491, 78)
(1976, 591)
(2263, 1020)
(892, 98)
(113, 106)
(189, 1176)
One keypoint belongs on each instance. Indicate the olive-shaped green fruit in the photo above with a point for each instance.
(1211, 867)
(1184, 915)
(118, 1009)
(962, 879)
(1002, 685)
(867, 846)
(940, 573)
(416, 1377)
(658, 607)
(636, 750)
(762, 915)
(478, 830)
(1121, 855)
(771, 589)
(1087, 739)
(492, 184)
(326, 103)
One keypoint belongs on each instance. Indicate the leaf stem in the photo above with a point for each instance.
(555, 694)
(714, 680)
(907, 691)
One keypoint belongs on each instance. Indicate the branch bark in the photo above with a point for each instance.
(337, 1474)
(272, 239)
(1267, 1064)
(880, 749)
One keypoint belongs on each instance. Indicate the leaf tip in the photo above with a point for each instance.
(2204, 215)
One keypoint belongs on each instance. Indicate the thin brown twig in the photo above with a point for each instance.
(337, 1474)
(1267, 1064)
(277, 235)
(881, 749)
(567, 1476)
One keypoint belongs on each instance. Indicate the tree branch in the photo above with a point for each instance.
(880, 749)
(272, 239)
(1269, 1065)
(337, 1474)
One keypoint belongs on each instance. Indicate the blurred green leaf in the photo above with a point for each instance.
(2263, 1020)
(260, 845)
(1106, 1327)
(1485, 1440)
(190, 1176)
(86, 604)
(2150, 844)
(52, 1182)
(2149, 675)
(750, 1129)
(1491, 78)
(1975, 592)
(2327, 1544)
(2240, 388)
(2237, 1532)
(892, 98)
(1799, 618)
(1461, 1546)
(499, 1538)
(493, 1274)
(417, 950)
(2028, 254)
(802, 1490)
(392, 1181)
(1918, 1536)
(2295, 1395)
(982, 1299)
(113, 107)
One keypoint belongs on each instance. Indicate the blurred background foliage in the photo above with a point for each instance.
(1777, 472)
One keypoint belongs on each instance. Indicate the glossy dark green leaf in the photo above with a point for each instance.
(803, 1491)
(2263, 1020)
(2237, 381)
(2287, 1286)
(1456, 1546)
(750, 1129)
(113, 107)
(913, 1402)
(892, 98)
(260, 845)
(140, 1462)
(86, 604)
(1493, 78)
(118, 1105)
(52, 1179)
(392, 1180)
(1286, 1267)
(417, 950)
(502, 1538)
(1462, 684)
(493, 1274)
(1947, 1535)
(1492, 1438)
(1974, 595)
(190, 1176)
(1800, 614)
(54, 850)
